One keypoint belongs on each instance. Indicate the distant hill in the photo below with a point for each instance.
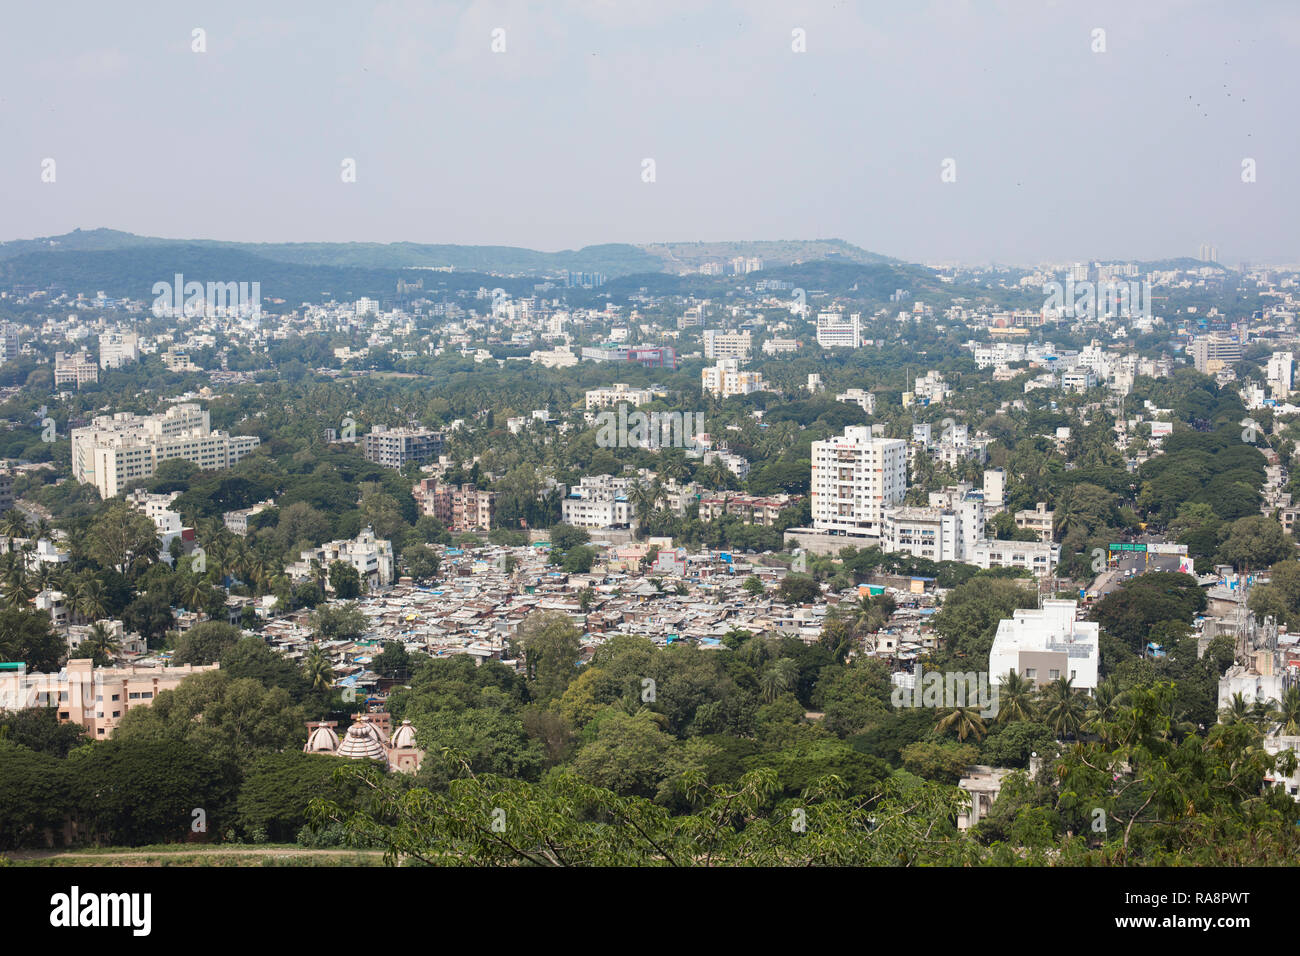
(689, 256)
(611, 259)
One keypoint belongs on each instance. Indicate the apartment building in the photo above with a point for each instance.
(1039, 520)
(372, 557)
(394, 447)
(726, 379)
(237, 521)
(719, 344)
(779, 346)
(617, 394)
(836, 331)
(118, 348)
(599, 501)
(9, 342)
(74, 368)
(855, 477)
(1210, 353)
(995, 489)
(750, 509)
(1038, 557)
(1279, 374)
(1047, 643)
(460, 508)
(116, 450)
(860, 397)
(948, 530)
(95, 697)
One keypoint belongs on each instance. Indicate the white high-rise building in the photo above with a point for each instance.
(855, 477)
(118, 348)
(1279, 374)
(719, 344)
(726, 379)
(995, 489)
(835, 331)
(114, 451)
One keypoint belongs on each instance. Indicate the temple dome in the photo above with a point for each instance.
(362, 743)
(404, 736)
(322, 740)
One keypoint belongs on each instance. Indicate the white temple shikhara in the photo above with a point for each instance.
(366, 740)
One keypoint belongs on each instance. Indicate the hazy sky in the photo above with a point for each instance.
(1061, 153)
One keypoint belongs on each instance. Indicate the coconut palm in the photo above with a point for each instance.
(317, 668)
(1237, 711)
(966, 721)
(101, 642)
(14, 525)
(1062, 708)
(90, 603)
(1288, 712)
(1015, 698)
(778, 679)
(1262, 713)
(1105, 708)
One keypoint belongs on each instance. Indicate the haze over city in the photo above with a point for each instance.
(1066, 147)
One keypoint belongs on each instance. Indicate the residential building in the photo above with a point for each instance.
(76, 368)
(372, 557)
(855, 477)
(835, 331)
(726, 379)
(750, 509)
(461, 508)
(394, 447)
(618, 393)
(1039, 520)
(995, 489)
(720, 344)
(1039, 557)
(860, 397)
(114, 451)
(1047, 643)
(97, 698)
(118, 348)
(598, 501)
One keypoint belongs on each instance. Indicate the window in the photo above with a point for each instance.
(1053, 674)
(135, 696)
(117, 713)
(1031, 673)
(147, 694)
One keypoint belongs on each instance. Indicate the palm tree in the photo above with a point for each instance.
(1015, 698)
(1062, 708)
(778, 679)
(1262, 713)
(1237, 711)
(965, 720)
(1105, 707)
(17, 584)
(1288, 712)
(14, 525)
(191, 591)
(101, 642)
(90, 601)
(318, 669)
(43, 529)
